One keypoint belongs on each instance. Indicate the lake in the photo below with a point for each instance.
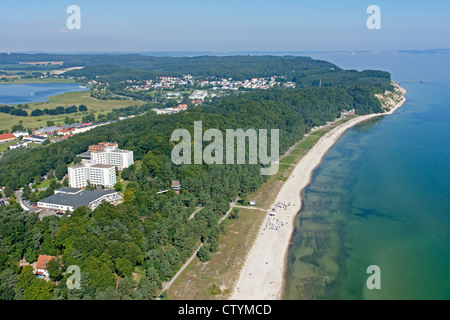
(12, 94)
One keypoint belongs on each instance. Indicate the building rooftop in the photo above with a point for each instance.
(86, 154)
(83, 198)
(122, 151)
(6, 136)
(68, 190)
(42, 261)
(47, 129)
(175, 184)
(105, 166)
(36, 137)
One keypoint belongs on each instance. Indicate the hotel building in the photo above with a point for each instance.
(96, 173)
(121, 159)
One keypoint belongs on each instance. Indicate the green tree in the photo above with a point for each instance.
(129, 196)
(39, 290)
(145, 290)
(100, 273)
(82, 108)
(204, 254)
(55, 269)
(8, 281)
(33, 197)
(127, 288)
(124, 267)
(26, 192)
(31, 288)
(17, 127)
(118, 186)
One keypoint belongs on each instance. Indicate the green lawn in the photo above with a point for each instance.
(45, 183)
(5, 146)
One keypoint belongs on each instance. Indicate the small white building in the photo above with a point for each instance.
(34, 138)
(18, 134)
(164, 111)
(19, 144)
(41, 266)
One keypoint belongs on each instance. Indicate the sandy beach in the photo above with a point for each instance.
(261, 277)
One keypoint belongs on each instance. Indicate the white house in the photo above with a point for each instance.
(18, 134)
(19, 144)
(34, 138)
(41, 266)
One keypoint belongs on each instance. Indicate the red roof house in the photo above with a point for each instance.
(7, 137)
(41, 265)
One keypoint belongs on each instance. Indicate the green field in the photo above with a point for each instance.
(66, 99)
(4, 146)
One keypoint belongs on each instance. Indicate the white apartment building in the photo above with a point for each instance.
(121, 159)
(97, 174)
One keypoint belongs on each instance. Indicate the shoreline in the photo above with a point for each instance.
(262, 276)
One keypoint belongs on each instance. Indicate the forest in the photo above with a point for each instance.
(304, 71)
(127, 251)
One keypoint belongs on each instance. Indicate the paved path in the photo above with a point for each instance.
(23, 203)
(193, 214)
(167, 285)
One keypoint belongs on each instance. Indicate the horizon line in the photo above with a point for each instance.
(233, 52)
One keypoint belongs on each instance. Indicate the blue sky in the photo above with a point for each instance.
(223, 26)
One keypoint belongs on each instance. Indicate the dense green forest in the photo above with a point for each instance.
(304, 71)
(150, 231)
(126, 251)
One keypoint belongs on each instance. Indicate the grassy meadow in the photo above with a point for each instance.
(94, 105)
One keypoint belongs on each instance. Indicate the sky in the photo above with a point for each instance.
(222, 26)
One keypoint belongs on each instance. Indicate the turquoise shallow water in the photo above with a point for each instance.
(381, 196)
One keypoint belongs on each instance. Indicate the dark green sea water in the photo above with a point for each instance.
(381, 196)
